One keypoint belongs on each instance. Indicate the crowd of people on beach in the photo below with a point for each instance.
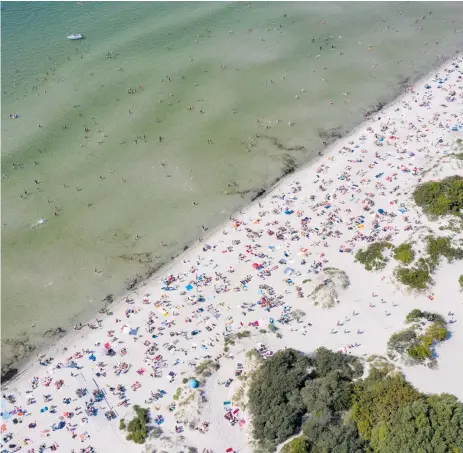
(248, 277)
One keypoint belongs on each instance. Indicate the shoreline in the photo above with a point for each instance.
(151, 274)
(267, 263)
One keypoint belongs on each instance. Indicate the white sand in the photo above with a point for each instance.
(411, 120)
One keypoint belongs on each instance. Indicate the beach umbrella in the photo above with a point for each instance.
(255, 266)
(381, 211)
(193, 383)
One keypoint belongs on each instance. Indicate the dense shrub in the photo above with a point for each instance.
(441, 197)
(327, 361)
(400, 342)
(430, 424)
(380, 414)
(377, 400)
(372, 257)
(137, 428)
(328, 434)
(332, 392)
(404, 253)
(441, 246)
(417, 277)
(274, 396)
(417, 315)
(460, 280)
(418, 346)
(298, 445)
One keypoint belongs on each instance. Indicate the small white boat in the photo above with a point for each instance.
(76, 36)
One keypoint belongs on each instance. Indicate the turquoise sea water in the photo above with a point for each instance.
(116, 198)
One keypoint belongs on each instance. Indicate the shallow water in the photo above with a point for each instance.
(207, 77)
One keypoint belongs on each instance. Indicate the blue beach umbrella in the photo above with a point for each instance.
(193, 383)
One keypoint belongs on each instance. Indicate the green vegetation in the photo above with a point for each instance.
(441, 197)
(137, 428)
(290, 384)
(177, 394)
(346, 414)
(272, 327)
(395, 418)
(460, 280)
(441, 246)
(372, 257)
(243, 334)
(298, 445)
(206, 368)
(417, 277)
(298, 314)
(418, 340)
(404, 253)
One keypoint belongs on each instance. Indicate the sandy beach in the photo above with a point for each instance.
(269, 265)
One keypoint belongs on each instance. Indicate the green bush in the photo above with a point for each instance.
(416, 315)
(460, 280)
(137, 428)
(441, 246)
(419, 352)
(372, 257)
(441, 197)
(437, 331)
(401, 341)
(418, 347)
(404, 253)
(243, 334)
(298, 445)
(122, 425)
(272, 327)
(417, 277)
(206, 368)
(177, 394)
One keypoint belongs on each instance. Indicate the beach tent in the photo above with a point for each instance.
(193, 383)
(133, 331)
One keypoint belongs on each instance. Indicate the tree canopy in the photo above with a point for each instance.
(342, 413)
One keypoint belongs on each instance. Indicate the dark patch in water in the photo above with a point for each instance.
(9, 374)
(142, 258)
(279, 145)
(330, 135)
(260, 193)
